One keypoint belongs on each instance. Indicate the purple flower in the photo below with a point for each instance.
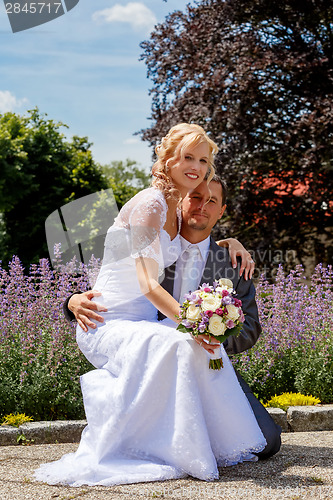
(219, 311)
(226, 300)
(230, 324)
(202, 327)
(204, 318)
(187, 323)
(193, 298)
(205, 285)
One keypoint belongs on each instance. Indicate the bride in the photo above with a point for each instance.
(155, 411)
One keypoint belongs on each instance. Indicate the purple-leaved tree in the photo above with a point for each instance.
(258, 75)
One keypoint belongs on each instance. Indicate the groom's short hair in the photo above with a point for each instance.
(217, 178)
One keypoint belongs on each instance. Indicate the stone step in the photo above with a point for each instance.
(57, 431)
(295, 419)
(304, 418)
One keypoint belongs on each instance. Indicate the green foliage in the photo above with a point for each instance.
(94, 214)
(314, 373)
(291, 399)
(40, 386)
(125, 179)
(306, 368)
(22, 440)
(40, 170)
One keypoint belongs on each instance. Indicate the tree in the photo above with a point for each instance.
(89, 218)
(258, 76)
(125, 179)
(39, 172)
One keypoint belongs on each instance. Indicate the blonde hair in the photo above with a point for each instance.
(172, 147)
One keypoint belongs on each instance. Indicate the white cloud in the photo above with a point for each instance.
(134, 13)
(131, 140)
(8, 102)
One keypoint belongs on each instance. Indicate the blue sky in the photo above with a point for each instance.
(83, 69)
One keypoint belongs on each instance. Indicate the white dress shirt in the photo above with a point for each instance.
(199, 264)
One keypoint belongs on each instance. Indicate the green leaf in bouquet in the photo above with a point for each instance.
(182, 328)
(230, 331)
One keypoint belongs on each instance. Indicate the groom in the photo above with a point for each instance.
(201, 209)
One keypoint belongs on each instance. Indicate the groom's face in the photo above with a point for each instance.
(202, 207)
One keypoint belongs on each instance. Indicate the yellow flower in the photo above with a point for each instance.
(291, 399)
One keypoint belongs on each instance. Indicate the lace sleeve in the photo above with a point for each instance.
(146, 220)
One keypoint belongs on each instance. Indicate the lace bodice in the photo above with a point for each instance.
(137, 231)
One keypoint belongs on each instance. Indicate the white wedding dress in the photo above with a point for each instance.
(155, 410)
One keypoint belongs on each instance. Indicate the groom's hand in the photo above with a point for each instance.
(84, 309)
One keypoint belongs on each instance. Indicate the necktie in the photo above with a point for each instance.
(190, 273)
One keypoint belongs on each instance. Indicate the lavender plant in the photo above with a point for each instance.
(40, 362)
(295, 350)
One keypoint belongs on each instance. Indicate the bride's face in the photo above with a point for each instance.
(190, 170)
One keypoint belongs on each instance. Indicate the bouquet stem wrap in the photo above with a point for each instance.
(215, 362)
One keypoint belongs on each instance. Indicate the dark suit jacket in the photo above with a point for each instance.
(218, 265)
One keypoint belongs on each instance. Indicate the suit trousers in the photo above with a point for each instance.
(269, 428)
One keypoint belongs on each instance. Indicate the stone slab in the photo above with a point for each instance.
(8, 435)
(296, 419)
(280, 417)
(310, 418)
(58, 431)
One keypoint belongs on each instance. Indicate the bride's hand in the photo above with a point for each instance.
(236, 249)
(208, 343)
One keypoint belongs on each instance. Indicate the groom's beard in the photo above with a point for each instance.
(201, 225)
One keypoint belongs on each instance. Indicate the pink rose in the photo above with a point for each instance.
(230, 323)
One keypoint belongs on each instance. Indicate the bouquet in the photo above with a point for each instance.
(214, 311)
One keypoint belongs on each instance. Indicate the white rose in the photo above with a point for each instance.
(193, 312)
(233, 312)
(225, 284)
(211, 302)
(216, 325)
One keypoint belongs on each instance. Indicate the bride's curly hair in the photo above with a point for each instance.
(172, 147)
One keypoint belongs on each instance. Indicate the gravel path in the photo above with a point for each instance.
(303, 469)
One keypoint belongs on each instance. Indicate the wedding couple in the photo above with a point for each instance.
(155, 411)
